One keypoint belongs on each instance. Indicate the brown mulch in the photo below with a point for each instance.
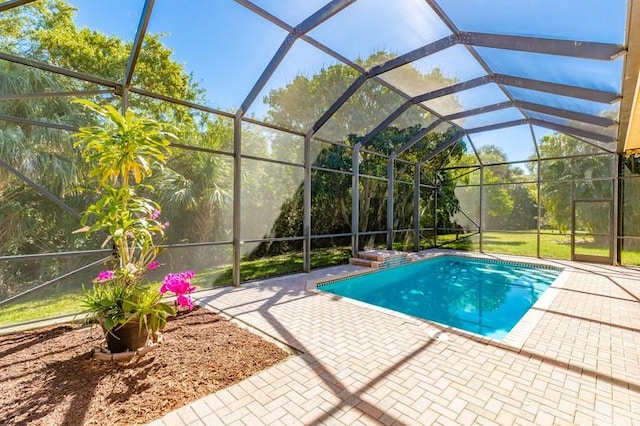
(48, 376)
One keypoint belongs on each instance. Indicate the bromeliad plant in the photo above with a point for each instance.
(123, 152)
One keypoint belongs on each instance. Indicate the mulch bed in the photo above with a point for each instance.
(50, 378)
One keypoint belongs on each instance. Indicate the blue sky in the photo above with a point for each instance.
(227, 47)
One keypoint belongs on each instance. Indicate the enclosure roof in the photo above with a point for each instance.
(481, 67)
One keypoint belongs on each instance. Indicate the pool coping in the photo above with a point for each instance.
(517, 336)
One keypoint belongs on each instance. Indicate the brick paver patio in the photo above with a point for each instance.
(580, 364)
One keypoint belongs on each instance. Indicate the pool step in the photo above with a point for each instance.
(380, 259)
(363, 262)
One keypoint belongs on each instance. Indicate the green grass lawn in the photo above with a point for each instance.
(52, 302)
(552, 245)
(40, 305)
(289, 263)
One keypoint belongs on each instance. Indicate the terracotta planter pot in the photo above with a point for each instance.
(127, 337)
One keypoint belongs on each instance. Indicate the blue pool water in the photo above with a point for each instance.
(484, 297)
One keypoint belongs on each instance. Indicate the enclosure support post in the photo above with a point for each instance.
(618, 205)
(436, 191)
(355, 199)
(480, 221)
(237, 188)
(416, 209)
(539, 219)
(390, 201)
(306, 219)
(573, 219)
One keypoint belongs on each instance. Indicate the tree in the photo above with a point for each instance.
(45, 31)
(197, 187)
(331, 192)
(525, 210)
(29, 223)
(573, 163)
(301, 102)
(498, 201)
(631, 193)
(42, 154)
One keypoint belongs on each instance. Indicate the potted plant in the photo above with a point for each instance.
(123, 152)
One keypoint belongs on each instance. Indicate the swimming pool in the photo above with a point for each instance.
(483, 296)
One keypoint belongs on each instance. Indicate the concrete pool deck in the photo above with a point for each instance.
(579, 363)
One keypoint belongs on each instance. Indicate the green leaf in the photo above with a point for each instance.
(108, 323)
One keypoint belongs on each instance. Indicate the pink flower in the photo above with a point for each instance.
(164, 225)
(105, 276)
(185, 301)
(180, 285)
(155, 214)
(154, 264)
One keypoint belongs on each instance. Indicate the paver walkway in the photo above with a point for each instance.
(359, 365)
